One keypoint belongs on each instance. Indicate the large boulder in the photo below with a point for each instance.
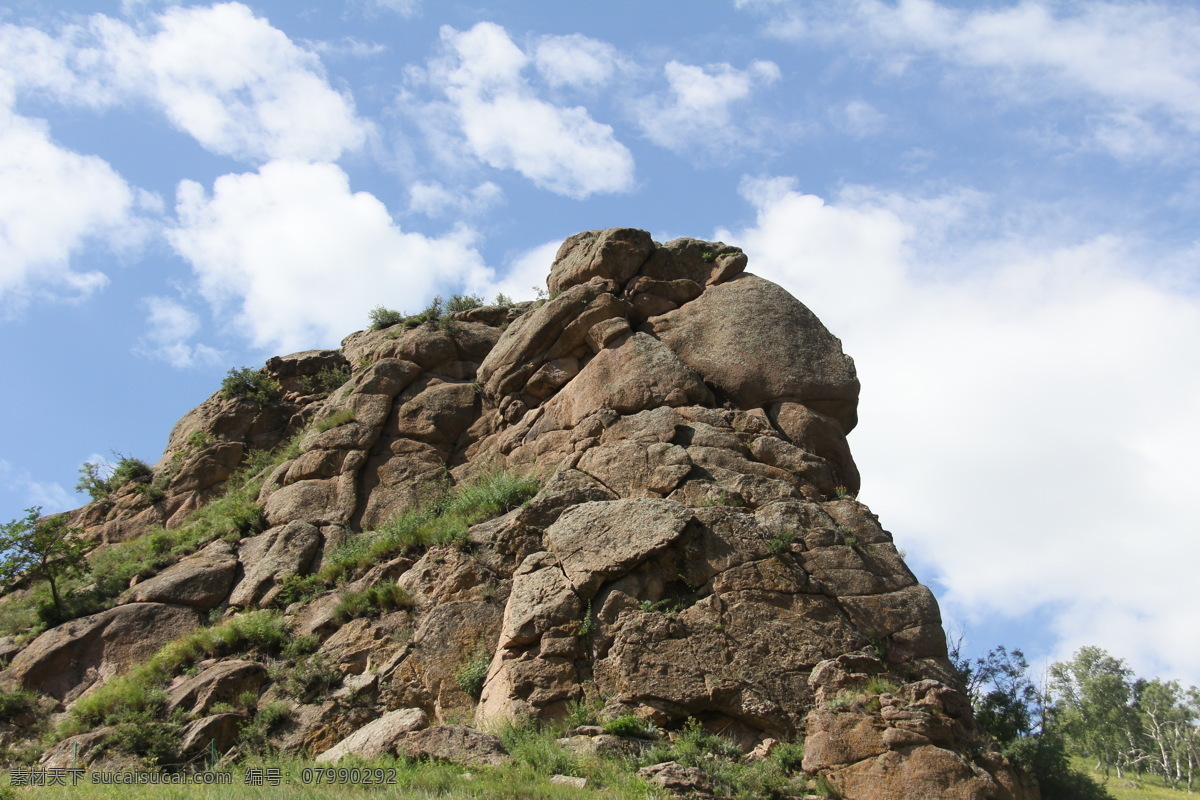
(202, 581)
(759, 345)
(457, 744)
(377, 738)
(270, 557)
(66, 660)
(616, 254)
(223, 682)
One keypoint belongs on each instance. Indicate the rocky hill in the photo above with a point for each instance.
(635, 496)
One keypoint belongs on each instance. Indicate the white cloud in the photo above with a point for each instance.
(562, 150)
(525, 275)
(1028, 407)
(858, 118)
(53, 202)
(405, 8)
(239, 86)
(576, 60)
(435, 200)
(1137, 61)
(49, 495)
(171, 325)
(696, 109)
(302, 259)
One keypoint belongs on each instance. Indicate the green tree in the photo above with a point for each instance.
(1168, 728)
(41, 549)
(1093, 696)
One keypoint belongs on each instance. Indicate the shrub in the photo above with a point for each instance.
(15, 703)
(781, 543)
(1045, 756)
(878, 684)
(297, 589)
(99, 486)
(431, 313)
(41, 549)
(463, 302)
(472, 673)
(503, 300)
(143, 734)
(825, 788)
(254, 385)
(255, 736)
(630, 725)
(308, 678)
(371, 602)
(382, 317)
(327, 380)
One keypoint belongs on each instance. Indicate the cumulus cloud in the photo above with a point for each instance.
(239, 86)
(696, 110)
(171, 325)
(1136, 62)
(576, 60)
(300, 258)
(506, 126)
(53, 202)
(995, 438)
(524, 275)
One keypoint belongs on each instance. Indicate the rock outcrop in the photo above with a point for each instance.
(695, 550)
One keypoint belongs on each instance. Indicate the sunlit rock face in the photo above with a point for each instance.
(695, 549)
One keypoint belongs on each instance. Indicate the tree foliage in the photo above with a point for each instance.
(41, 549)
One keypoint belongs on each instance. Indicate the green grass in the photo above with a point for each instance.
(141, 690)
(371, 602)
(1148, 787)
(335, 420)
(232, 516)
(444, 519)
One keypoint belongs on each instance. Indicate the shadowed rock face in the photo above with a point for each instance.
(695, 550)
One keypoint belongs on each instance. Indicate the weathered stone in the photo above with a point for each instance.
(522, 348)
(219, 732)
(638, 374)
(65, 660)
(378, 738)
(759, 345)
(704, 263)
(678, 779)
(635, 470)
(541, 598)
(269, 557)
(595, 542)
(202, 581)
(615, 254)
(224, 682)
(457, 744)
(76, 752)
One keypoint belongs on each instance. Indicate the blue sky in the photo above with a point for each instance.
(993, 205)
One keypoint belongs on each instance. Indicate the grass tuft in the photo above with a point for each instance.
(442, 520)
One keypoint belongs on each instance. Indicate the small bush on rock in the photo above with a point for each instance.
(463, 302)
(382, 317)
(254, 385)
(472, 674)
(630, 725)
